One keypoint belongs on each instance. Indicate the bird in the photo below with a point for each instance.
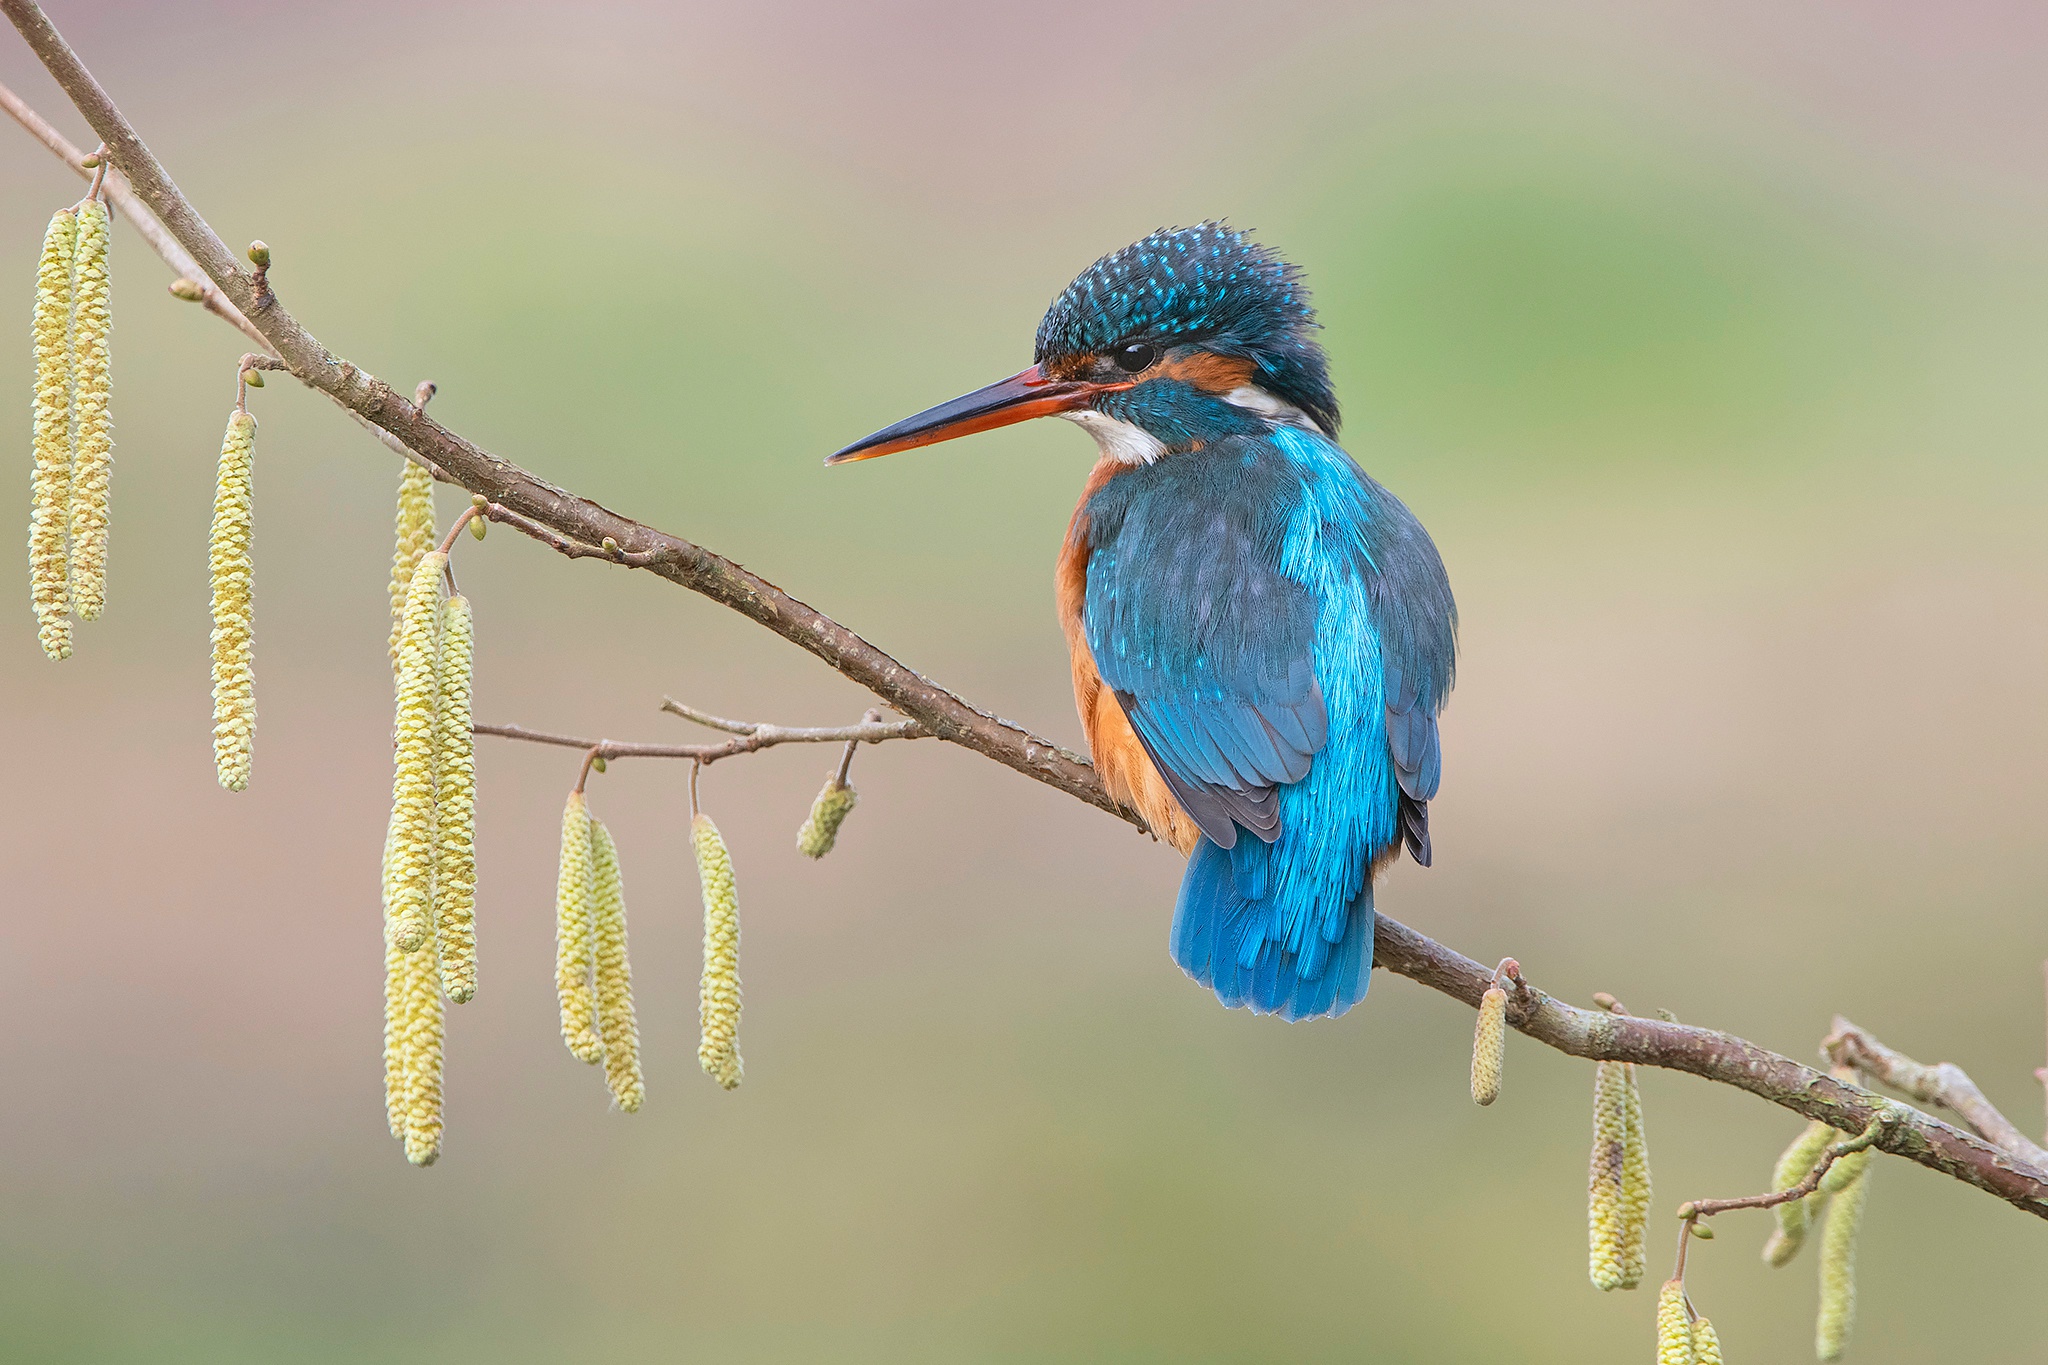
(1261, 635)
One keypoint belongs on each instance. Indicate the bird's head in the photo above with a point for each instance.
(1176, 340)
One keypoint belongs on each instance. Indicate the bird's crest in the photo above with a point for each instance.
(1209, 286)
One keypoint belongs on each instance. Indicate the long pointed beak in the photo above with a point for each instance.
(1019, 398)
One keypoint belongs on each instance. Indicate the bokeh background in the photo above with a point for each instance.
(1707, 339)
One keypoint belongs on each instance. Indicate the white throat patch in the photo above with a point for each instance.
(1120, 441)
(1272, 407)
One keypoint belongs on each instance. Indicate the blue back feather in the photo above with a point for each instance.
(1280, 631)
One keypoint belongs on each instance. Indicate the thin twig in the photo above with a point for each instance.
(751, 741)
(1944, 1083)
(873, 717)
(571, 524)
(1707, 1208)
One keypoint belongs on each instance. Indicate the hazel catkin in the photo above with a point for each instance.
(576, 934)
(1618, 1203)
(719, 993)
(93, 450)
(415, 536)
(455, 804)
(1674, 1328)
(617, 1028)
(820, 830)
(232, 571)
(1795, 1216)
(49, 516)
(1706, 1345)
(412, 780)
(1489, 1045)
(1838, 1256)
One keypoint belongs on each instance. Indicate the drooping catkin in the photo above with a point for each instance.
(1489, 1045)
(455, 804)
(93, 460)
(415, 536)
(616, 1026)
(397, 990)
(49, 516)
(412, 780)
(1674, 1330)
(1618, 1185)
(1795, 1216)
(719, 995)
(425, 1031)
(1706, 1345)
(576, 933)
(828, 812)
(232, 569)
(1838, 1257)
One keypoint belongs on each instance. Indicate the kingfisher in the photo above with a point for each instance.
(1262, 636)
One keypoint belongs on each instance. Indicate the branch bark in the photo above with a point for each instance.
(1944, 1083)
(574, 524)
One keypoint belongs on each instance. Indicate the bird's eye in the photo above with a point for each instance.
(1136, 357)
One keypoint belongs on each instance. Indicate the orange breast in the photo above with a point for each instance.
(1127, 770)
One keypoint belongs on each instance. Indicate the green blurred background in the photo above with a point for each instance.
(1708, 341)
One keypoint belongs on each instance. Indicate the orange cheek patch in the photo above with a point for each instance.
(1210, 373)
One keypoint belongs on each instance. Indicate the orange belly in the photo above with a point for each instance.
(1127, 770)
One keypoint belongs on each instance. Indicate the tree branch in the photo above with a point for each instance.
(1944, 1083)
(746, 739)
(573, 525)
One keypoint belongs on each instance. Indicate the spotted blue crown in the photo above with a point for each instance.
(1209, 286)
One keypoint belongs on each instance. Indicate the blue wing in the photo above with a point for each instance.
(1207, 645)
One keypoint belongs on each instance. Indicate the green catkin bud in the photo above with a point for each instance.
(576, 933)
(719, 995)
(412, 780)
(1838, 1257)
(616, 1025)
(1706, 1346)
(1674, 1329)
(415, 536)
(1796, 1215)
(455, 804)
(1489, 1045)
(49, 518)
(228, 559)
(93, 460)
(1618, 1185)
(821, 828)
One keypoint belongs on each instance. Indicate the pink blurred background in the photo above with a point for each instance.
(1707, 340)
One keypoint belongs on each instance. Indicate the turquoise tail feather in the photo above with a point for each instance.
(1237, 946)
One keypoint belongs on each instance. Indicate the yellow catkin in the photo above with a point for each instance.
(424, 1034)
(576, 934)
(821, 828)
(1635, 1182)
(228, 560)
(50, 513)
(1674, 1327)
(455, 804)
(616, 1026)
(1618, 1185)
(93, 460)
(412, 781)
(1838, 1257)
(1795, 1216)
(1706, 1346)
(415, 536)
(719, 995)
(396, 992)
(1489, 1045)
